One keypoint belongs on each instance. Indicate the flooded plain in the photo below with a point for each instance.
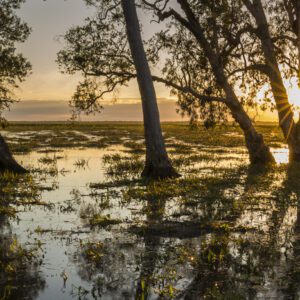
(82, 225)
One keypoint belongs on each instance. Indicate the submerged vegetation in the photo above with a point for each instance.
(19, 277)
(26, 137)
(18, 190)
(217, 232)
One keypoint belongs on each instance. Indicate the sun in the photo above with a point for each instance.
(293, 90)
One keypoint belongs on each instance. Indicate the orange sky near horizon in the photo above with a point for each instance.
(47, 89)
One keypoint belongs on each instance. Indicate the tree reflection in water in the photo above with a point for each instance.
(19, 267)
(256, 258)
(19, 264)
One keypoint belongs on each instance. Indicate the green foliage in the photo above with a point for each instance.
(227, 49)
(18, 190)
(14, 68)
(99, 51)
(123, 166)
(103, 221)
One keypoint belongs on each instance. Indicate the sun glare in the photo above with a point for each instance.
(294, 96)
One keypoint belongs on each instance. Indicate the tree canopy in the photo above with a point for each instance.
(14, 68)
(99, 51)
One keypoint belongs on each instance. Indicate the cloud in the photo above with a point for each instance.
(60, 111)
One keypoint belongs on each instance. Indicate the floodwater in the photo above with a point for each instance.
(238, 240)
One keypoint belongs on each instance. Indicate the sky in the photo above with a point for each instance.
(49, 20)
(45, 94)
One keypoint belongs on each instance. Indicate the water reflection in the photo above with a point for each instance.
(290, 282)
(19, 266)
(281, 155)
(254, 259)
(20, 276)
(229, 233)
(150, 257)
(254, 265)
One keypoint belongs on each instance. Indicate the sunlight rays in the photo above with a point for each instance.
(294, 96)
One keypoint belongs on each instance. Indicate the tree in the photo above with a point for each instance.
(204, 56)
(287, 16)
(109, 51)
(157, 162)
(273, 73)
(272, 30)
(13, 69)
(106, 63)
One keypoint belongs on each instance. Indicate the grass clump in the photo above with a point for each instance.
(13, 256)
(48, 160)
(135, 148)
(103, 221)
(19, 277)
(93, 251)
(81, 163)
(190, 187)
(122, 166)
(18, 190)
(93, 214)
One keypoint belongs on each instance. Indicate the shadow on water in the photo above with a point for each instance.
(291, 187)
(217, 257)
(229, 264)
(150, 257)
(223, 231)
(249, 249)
(19, 267)
(262, 265)
(20, 276)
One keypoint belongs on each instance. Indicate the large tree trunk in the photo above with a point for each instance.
(158, 164)
(298, 35)
(259, 153)
(290, 130)
(7, 162)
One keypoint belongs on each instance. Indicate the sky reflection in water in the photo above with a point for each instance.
(250, 254)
